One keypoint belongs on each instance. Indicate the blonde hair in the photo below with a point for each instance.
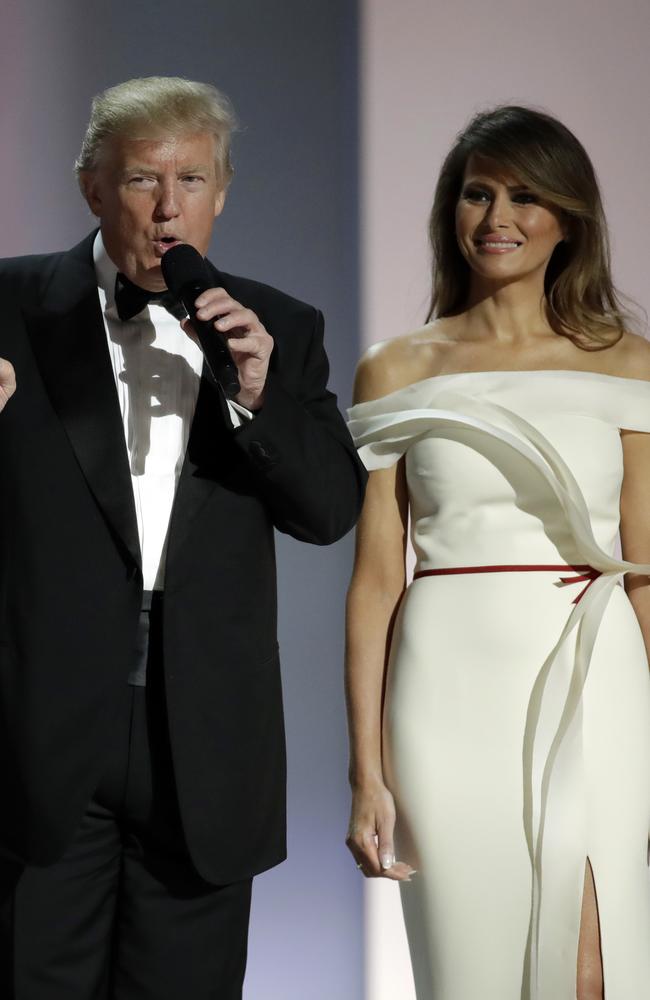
(582, 302)
(155, 105)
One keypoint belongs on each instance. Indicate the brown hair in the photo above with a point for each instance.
(582, 302)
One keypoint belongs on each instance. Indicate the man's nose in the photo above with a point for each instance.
(167, 206)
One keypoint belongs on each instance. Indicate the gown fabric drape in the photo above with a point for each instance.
(517, 713)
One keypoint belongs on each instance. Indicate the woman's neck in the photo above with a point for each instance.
(511, 313)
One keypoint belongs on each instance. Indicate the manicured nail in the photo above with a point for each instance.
(387, 860)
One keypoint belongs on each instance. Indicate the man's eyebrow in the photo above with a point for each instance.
(196, 168)
(193, 168)
(139, 169)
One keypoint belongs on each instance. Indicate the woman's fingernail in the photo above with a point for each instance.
(387, 860)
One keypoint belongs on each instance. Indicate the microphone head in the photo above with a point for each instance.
(181, 266)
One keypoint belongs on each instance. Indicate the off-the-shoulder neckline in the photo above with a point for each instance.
(514, 371)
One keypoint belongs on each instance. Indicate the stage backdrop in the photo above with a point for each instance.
(290, 220)
(426, 68)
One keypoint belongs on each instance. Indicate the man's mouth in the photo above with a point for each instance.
(164, 243)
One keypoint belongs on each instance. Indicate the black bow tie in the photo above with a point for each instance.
(130, 299)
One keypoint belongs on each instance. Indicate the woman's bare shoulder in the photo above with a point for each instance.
(393, 364)
(631, 357)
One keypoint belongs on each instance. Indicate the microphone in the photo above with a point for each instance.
(187, 276)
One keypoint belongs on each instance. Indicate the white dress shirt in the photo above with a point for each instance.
(157, 370)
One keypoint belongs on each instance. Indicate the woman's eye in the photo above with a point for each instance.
(476, 194)
(525, 198)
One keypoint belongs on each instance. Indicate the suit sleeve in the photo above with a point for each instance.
(309, 474)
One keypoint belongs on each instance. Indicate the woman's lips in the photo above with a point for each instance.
(497, 246)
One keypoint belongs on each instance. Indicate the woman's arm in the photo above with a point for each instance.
(635, 522)
(377, 585)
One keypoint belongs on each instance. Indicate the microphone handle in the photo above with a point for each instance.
(215, 350)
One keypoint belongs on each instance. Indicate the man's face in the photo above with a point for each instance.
(151, 193)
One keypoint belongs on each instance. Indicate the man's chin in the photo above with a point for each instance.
(148, 277)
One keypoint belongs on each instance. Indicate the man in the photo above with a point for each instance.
(141, 730)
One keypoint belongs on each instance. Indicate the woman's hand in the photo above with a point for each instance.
(7, 382)
(370, 834)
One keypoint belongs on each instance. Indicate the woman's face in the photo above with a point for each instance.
(504, 231)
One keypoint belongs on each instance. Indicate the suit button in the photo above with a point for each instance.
(258, 450)
(263, 455)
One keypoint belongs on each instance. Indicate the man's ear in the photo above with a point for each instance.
(219, 202)
(89, 189)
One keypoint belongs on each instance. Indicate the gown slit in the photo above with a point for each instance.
(590, 878)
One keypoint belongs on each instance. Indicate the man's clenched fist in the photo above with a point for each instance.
(7, 382)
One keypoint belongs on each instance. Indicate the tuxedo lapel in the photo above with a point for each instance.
(208, 459)
(212, 460)
(68, 338)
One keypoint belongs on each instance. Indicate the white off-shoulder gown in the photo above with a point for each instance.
(517, 721)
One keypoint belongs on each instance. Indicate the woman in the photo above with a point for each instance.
(511, 677)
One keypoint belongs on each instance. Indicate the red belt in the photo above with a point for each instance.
(583, 573)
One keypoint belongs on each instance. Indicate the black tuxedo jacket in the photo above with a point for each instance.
(70, 573)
